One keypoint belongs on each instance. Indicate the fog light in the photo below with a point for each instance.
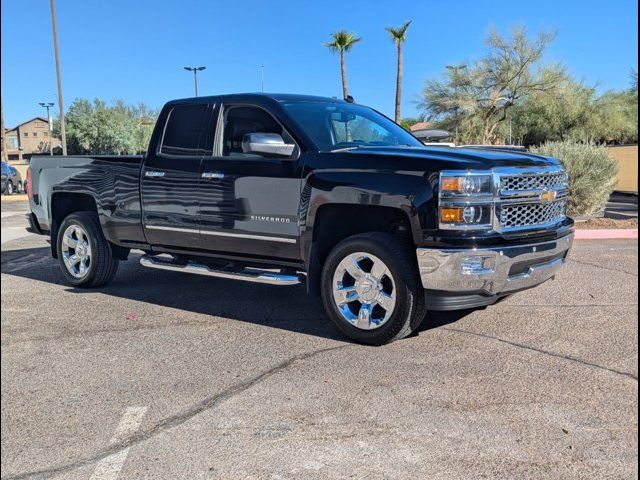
(451, 215)
(476, 265)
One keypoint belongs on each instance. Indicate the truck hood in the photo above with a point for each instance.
(454, 158)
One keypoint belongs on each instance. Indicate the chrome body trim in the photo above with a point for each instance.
(154, 173)
(449, 269)
(222, 234)
(270, 143)
(248, 275)
(217, 175)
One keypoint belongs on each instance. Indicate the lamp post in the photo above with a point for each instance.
(48, 105)
(5, 155)
(58, 75)
(195, 71)
(455, 69)
(262, 78)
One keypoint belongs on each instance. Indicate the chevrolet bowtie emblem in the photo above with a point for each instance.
(548, 196)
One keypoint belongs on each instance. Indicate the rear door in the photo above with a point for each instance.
(170, 178)
(249, 202)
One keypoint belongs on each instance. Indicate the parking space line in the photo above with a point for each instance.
(13, 233)
(109, 467)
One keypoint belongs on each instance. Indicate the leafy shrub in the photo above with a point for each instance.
(592, 173)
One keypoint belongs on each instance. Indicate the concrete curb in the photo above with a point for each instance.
(607, 234)
(17, 198)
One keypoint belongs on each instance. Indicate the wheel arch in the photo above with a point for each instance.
(333, 222)
(65, 203)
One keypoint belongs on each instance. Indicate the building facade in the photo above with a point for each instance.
(33, 137)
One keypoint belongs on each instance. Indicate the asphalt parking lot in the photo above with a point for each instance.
(166, 375)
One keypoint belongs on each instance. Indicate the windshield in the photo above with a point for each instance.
(335, 126)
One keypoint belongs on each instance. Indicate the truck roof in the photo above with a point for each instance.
(240, 97)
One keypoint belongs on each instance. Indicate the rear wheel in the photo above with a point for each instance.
(370, 288)
(9, 188)
(85, 255)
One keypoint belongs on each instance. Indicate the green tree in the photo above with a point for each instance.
(616, 118)
(145, 121)
(566, 113)
(398, 36)
(96, 128)
(342, 42)
(575, 112)
(485, 91)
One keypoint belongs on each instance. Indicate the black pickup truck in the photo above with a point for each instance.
(285, 189)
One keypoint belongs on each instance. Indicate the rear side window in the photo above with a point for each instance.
(183, 131)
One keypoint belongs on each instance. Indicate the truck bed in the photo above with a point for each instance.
(111, 181)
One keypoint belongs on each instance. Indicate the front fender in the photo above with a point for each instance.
(407, 191)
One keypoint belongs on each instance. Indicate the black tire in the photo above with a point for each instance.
(103, 264)
(18, 188)
(9, 189)
(399, 257)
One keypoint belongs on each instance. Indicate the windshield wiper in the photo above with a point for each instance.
(346, 149)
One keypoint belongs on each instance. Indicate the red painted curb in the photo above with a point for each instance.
(607, 234)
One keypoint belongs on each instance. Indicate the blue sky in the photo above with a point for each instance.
(135, 49)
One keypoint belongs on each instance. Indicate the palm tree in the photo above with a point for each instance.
(342, 42)
(398, 36)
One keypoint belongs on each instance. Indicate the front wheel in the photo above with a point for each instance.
(9, 189)
(85, 255)
(371, 289)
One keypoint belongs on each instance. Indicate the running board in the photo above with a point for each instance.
(246, 274)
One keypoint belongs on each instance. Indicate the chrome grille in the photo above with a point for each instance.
(523, 198)
(532, 214)
(511, 183)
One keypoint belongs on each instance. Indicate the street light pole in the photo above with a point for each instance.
(195, 71)
(5, 155)
(58, 75)
(262, 78)
(48, 105)
(455, 69)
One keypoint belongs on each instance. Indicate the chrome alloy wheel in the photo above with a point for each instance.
(364, 291)
(76, 251)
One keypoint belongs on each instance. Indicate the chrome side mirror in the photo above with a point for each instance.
(269, 143)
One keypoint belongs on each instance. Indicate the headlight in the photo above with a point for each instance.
(467, 216)
(465, 185)
(466, 200)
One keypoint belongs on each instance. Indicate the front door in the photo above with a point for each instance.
(249, 202)
(170, 178)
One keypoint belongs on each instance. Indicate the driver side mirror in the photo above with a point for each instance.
(269, 143)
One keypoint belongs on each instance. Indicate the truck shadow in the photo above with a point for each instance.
(287, 308)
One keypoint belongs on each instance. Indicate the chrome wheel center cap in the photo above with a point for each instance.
(367, 288)
(81, 251)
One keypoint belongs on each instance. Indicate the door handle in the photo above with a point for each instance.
(212, 175)
(154, 173)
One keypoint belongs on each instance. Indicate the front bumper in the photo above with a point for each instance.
(492, 271)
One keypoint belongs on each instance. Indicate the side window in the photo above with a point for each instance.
(238, 121)
(185, 126)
